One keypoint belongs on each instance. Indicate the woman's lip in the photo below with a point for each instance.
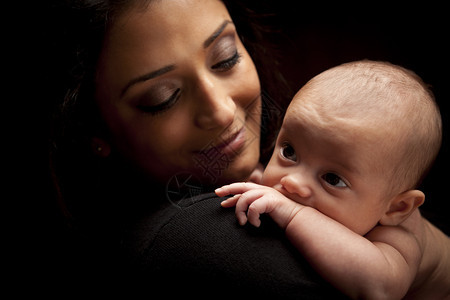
(229, 140)
(234, 144)
(231, 146)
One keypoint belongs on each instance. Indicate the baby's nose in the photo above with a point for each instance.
(294, 184)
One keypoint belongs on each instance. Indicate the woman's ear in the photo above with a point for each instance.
(100, 147)
(402, 206)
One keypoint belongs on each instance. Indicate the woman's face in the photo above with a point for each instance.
(179, 92)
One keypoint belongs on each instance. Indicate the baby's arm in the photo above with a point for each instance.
(252, 200)
(384, 268)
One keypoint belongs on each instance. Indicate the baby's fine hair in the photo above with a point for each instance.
(395, 103)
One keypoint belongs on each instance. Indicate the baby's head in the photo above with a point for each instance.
(383, 106)
(355, 142)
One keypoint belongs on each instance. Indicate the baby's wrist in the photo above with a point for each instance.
(297, 217)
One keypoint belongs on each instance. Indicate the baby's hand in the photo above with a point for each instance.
(252, 199)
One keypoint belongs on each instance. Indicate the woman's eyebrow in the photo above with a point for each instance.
(169, 68)
(147, 76)
(216, 33)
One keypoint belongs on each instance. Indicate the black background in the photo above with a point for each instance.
(311, 39)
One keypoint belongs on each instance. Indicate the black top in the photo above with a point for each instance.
(196, 248)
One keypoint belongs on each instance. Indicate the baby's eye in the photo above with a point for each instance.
(288, 152)
(334, 180)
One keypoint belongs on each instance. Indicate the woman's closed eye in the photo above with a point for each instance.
(228, 63)
(159, 101)
(224, 54)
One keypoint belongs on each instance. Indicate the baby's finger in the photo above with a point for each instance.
(230, 202)
(222, 191)
(236, 188)
(255, 210)
(241, 217)
(254, 219)
(245, 200)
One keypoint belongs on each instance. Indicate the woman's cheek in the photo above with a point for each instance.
(249, 81)
(166, 138)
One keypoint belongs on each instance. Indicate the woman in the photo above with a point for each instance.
(163, 104)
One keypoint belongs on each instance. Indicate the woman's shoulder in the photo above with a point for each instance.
(195, 243)
(153, 224)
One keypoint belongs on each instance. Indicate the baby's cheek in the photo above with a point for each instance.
(270, 178)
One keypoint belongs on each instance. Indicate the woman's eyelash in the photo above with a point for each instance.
(161, 107)
(228, 63)
(224, 65)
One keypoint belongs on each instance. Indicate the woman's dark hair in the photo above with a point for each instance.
(78, 30)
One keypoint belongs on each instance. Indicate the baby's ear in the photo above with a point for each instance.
(401, 207)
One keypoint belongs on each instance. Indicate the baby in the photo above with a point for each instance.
(355, 143)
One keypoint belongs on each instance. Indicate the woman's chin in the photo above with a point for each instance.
(241, 173)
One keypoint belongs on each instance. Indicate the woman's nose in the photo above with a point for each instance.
(297, 185)
(215, 107)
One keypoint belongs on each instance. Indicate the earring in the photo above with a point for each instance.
(100, 147)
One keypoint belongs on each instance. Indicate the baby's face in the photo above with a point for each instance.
(335, 170)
